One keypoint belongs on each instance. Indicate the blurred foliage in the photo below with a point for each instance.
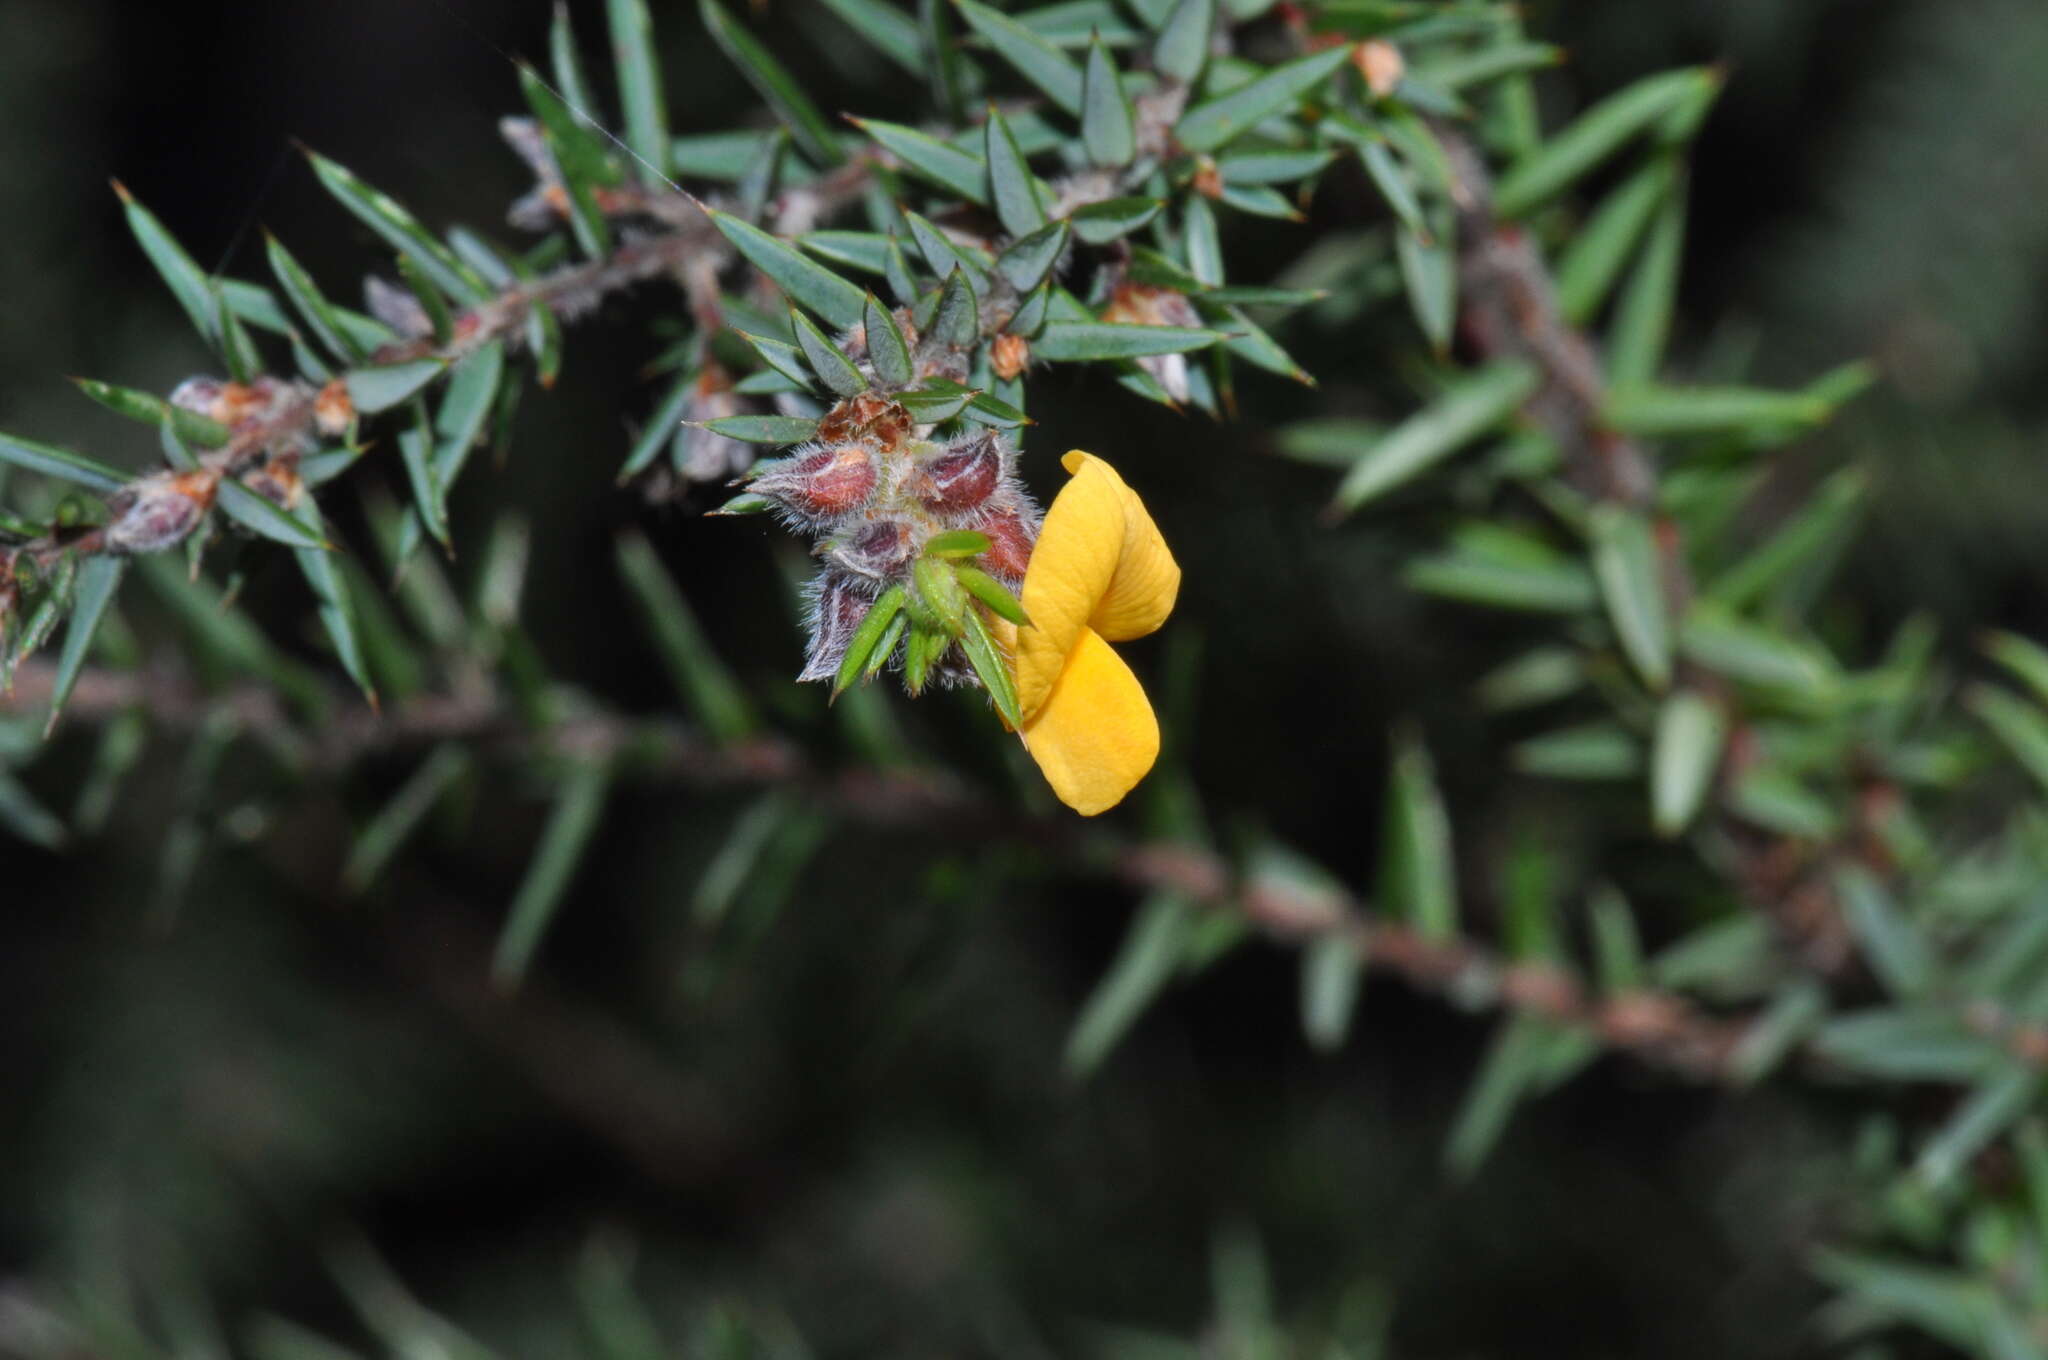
(490, 950)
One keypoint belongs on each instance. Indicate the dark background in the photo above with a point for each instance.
(881, 1148)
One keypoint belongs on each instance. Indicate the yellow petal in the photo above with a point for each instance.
(1147, 579)
(1072, 565)
(1094, 736)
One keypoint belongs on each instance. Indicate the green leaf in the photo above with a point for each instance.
(51, 461)
(992, 593)
(260, 517)
(1395, 186)
(1109, 130)
(1183, 47)
(1602, 130)
(984, 409)
(826, 359)
(1642, 318)
(990, 666)
(2019, 725)
(1214, 122)
(944, 255)
(935, 405)
(867, 635)
(1647, 409)
(763, 429)
(958, 320)
(1273, 167)
(2023, 657)
(1029, 261)
(383, 386)
(888, 351)
(812, 133)
(865, 250)
(190, 285)
(724, 156)
(1417, 875)
(1804, 539)
(580, 158)
(1599, 750)
(150, 409)
(1687, 750)
(1625, 563)
(429, 496)
(28, 819)
(1077, 341)
(99, 578)
(1113, 218)
(567, 63)
(809, 283)
(312, 305)
(466, 408)
(947, 167)
(1037, 60)
(1466, 410)
(1534, 678)
(1994, 1107)
(1012, 189)
(1771, 1038)
(568, 833)
(397, 820)
(1332, 970)
(1488, 64)
(1430, 274)
(639, 83)
(1892, 944)
(1203, 247)
(330, 589)
(1527, 1054)
(885, 28)
(441, 325)
(1755, 654)
(544, 342)
(1152, 952)
(710, 690)
(400, 230)
(1597, 253)
(785, 359)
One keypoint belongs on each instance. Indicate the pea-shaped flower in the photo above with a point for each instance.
(1100, 573)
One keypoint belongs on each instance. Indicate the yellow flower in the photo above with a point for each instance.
(1100, 573)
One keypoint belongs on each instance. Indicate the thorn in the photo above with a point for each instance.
(121, 190)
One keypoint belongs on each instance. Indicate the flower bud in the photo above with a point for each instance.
(837, 607)
(158, 512)
(1011, 533)
(277, 481)
(878, 550)
(332, 408)
(1009, 355)
(822, 483)
(866, 415)
(1380, 62)
(964, 476)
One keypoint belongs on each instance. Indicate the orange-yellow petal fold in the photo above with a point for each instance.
(1072, 565)
(1094, 735)
(1147, 579)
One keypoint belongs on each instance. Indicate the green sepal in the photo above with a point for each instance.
(987, 660)
(867, 635)
(992, 593)
(956, 543)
